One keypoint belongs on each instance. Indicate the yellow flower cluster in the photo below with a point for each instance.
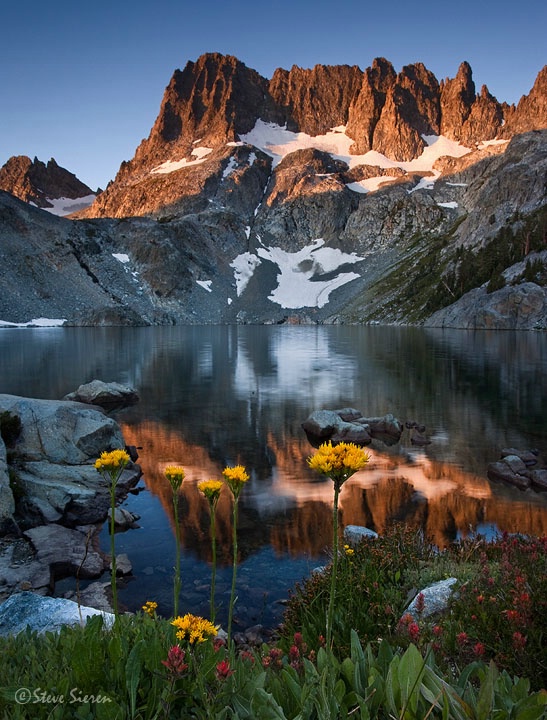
(194, 628)
(339, 462)
(175, 475)
(150, 607)
(210, 488)
(349, 550)
(235, 477)
(112, 461)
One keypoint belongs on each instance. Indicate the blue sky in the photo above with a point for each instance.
(83, 83)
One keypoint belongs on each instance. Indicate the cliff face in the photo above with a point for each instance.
(314, 101)
(322, 195)
(216, 101)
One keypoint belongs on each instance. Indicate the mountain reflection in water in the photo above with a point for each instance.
(218, 396)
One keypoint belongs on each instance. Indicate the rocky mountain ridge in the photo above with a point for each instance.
(323, 195)
(216, 100)
(42, 184)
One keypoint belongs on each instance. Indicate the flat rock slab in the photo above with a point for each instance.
(43, 614)
(66, 551)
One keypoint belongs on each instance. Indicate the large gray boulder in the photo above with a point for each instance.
(60, 431)
(53, 461)
(43, 614)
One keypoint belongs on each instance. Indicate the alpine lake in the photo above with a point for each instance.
(217, 396)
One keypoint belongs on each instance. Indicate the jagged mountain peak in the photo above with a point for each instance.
(45, 185)
(213, 100)
(217, 100)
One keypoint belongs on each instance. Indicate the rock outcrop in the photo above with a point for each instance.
(52, 499)
(349, 425)
(52, 461)
(109, 396)
(531, 110)
(519, 468)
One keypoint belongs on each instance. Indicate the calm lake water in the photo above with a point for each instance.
(223, 395)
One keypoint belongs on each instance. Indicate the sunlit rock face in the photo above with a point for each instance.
(217, 101)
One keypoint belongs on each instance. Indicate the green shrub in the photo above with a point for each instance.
(133, 672)
(375, 581)
(497, 281)
(499, 612)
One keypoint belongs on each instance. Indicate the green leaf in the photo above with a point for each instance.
(392, 687)
(485, 698)
(290, 682)
(533, 707)
(347, 670)
(410, 672)
(133, 673)
(340, 690)
(266, 707)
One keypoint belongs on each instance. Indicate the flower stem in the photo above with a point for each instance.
(214, 563)
(334, 570)
(176, 581)
(113, 568)
(234, 570)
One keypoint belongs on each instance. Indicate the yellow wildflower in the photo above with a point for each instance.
(111, 465)
(339, 462)
(194, 628)
(150, 607)
(112, 461)
(349, 550)
(235, 477)
(211, 489)
(175, 475)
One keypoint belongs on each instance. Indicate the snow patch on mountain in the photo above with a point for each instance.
(299, 282)
(170, 166)
(65, 206)
(278, 142)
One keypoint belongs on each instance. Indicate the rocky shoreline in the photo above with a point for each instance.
(53, 502)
